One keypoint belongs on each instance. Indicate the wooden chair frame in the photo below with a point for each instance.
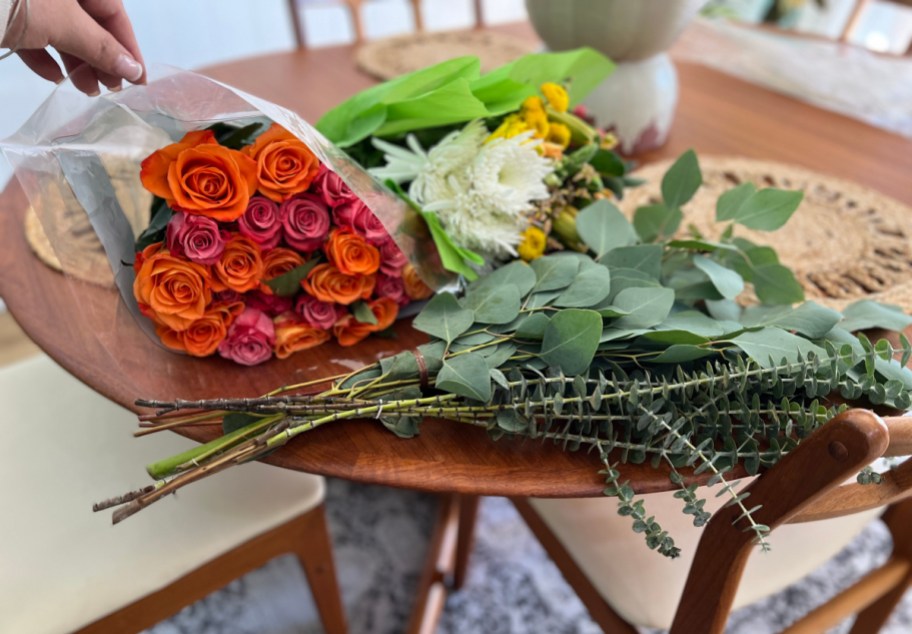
(305, 536)
(354, 11)
(804, 486)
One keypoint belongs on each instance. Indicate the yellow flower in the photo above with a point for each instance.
(532, 245)
(533, 113)
(556, 95)
(511, 126)
(559, 134)
(609, 141)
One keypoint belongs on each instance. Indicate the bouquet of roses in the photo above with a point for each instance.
(257, 248)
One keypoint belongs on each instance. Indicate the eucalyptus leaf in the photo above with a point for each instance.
(776, 284)
(616, 334)
(646, 258)
(553, 272)
(730, 203)
(724, 309)
(645, 306)
(682, 180)
(533, 326)
(493, 305)
(603, 227)
(402, 426)
(769, 346)
(728, 282)
(444, 318)
(496, 356)
(656, 222)
(591, 286)
(517, 274)
(571, 339)
(809, 319)
(682, 353)
(867, 314)
(768, 209)
(622, 279)
(707, 246)
(466, 375)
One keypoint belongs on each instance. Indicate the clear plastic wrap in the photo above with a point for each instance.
(78, 161)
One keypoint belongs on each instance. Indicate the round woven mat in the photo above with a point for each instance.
(61, 235)
(846, 242)
(394, 56)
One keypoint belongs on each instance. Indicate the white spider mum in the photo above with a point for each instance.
(509, 174)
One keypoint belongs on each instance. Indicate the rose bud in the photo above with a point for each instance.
(305, 220)
(196, 238)
(250, 338)
(262, 222)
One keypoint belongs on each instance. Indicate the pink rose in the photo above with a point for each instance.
(196, 238)
(392, 259)
(273, 305)
(305, 219)
(316, 313)
(332, 188)
(250, 338)
(392, 288)
(361, 219)
(262, 222)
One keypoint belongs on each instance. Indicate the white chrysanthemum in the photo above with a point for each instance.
(479, 190)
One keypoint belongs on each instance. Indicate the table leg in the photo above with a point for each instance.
(446, 562)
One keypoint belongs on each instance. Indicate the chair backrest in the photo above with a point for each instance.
(855, 19)
(804, 486)
(296, 8)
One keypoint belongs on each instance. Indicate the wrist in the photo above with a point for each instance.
(14, 16)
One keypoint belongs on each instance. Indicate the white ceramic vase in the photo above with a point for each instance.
(638, 100)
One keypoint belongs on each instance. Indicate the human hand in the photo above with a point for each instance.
(96, 34)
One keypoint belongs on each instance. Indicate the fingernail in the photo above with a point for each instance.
(94, 93)
(116, 88)
(128, 68)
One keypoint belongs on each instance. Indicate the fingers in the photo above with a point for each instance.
(81, 74)
(112, 16)
(43, 65)
(84, 38)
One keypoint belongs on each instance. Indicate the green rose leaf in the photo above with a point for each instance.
(727, 282)
(770, 346)
(645, 307)
(237, 420)
(363, 313)
(603, 227)
(571, 339)
(656, 222)
(866, 314)
(289, 284)
(444, 318)
(646, 258)
(591, 286)
(466, 375)
(553, 272)
(493, 305)
(682, 180)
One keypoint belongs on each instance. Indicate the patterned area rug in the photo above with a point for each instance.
(380, 536)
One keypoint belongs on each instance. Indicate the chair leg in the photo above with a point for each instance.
(468, 515)
(314, 551)
(898, 519)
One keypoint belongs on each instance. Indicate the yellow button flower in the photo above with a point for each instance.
(556, 95)
(533, 244)
(559, 134)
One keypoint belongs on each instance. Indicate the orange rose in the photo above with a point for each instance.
(415, 287)
(284, 165)
(293, 336)
(279, 261)
(173, 291)
(199, 176)
(241, 266)
(205, 334)
(349, 331)
(328, 284)
(350, 253)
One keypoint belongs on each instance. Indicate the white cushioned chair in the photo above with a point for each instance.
(623, 584)
(63, 568)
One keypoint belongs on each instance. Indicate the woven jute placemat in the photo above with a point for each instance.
(61, 235)
(845, 243)
(390, 57)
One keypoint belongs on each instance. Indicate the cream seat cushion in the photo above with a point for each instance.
(64, 447)
(645, 587)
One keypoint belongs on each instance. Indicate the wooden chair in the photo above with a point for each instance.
(806, 486)
(855, 18)
(296, 9)
(63, 568)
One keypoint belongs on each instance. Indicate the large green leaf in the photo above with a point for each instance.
(533, 326)
(728, 282)
(809, 319)
(766, 210)
(554, 272)
(682, 180)
(657, 222)
(603, 227)
(591, 286)
(645, 307)
(444, 318)
(466, 375)
(646, 258)
(630, 278)
(517, 274)
(493, 305)
(729, 204)
(776, 284)
(571, 339)
(866, 314)
(770, 346)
